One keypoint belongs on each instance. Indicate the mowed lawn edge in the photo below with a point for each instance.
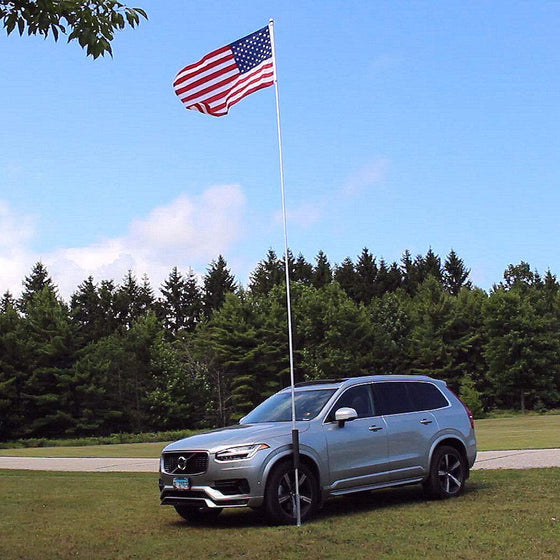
(493, 434)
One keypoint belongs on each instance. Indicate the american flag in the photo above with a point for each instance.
(226, 75)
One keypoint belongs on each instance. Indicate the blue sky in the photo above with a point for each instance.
(406, 125)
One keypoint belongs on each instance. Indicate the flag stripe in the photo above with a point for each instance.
(225, 76)
(207, 59)
(261, 77)
(222, 84)
(184, 78)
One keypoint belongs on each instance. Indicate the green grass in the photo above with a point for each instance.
(519, 432)
(115, 515)
(113, 450)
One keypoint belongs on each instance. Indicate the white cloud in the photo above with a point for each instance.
(304, 216)
(368, 175)
(188, 232)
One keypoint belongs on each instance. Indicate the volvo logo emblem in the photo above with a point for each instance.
(181, 463)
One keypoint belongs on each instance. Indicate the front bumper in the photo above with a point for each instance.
(222, 485)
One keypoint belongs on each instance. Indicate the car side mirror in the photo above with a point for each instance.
(242, 420)
(345, 414)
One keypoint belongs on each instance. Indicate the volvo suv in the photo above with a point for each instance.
(355, 435)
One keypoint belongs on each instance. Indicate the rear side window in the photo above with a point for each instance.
(426, 396)
(398, 397)
(392, 398)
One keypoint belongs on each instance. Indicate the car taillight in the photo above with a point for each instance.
(467, 409)
(469, 414)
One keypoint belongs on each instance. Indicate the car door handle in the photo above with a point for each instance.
(425, 421)
(375, 428)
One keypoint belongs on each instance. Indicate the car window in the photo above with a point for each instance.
(426, 396)
(278, 407)
(392, 398)
(358, 398)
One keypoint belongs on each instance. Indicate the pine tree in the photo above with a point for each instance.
(133, 300)
(345, 275)
(35, 283)
(92, 316)
(366, 275)
(218, 282)
(303, 271)
(13, 370)
(455, 274)
(322, 274)
(50, 346)
(431, 266)
(182, 302)
(267, 274)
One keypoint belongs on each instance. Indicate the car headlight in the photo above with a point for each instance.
(240, 452)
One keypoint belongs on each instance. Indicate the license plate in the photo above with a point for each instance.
(182, 483)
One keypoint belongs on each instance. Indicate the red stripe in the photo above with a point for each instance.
(204, 59)
(252, 78)
(209, 90)
(182, 79)
(205, 79)
(229, 102)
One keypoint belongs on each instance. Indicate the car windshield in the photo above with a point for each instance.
(278, 408)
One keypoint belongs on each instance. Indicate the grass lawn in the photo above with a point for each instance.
(519, 432)
(503, 514)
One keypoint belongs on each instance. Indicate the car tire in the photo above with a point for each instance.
(198, 514)
(448, 473)
(279, 501)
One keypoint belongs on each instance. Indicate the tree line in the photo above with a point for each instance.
(201, 353)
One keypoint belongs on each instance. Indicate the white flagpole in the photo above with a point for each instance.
(295, 435)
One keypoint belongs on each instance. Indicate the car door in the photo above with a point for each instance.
(357, 450)
(410, 432)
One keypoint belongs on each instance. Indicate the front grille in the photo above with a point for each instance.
(186, 462)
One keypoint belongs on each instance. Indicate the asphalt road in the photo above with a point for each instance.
(515, 459)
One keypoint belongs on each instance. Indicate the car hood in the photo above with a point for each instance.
(240, 434)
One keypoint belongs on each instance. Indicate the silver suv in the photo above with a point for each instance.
(355, 434)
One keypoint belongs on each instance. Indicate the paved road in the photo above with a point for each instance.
(520, 459)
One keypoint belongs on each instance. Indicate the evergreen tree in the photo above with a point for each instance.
(388, 279)
(455, 274)
(366, 276)
(50, 345)
(431, 266)
(345, 275)
(7, 302)
(322, 274)
(13, 360)
(92, 311)
(268, 273)
(132, 300)
(303, 271)
(181, 303)
(33, 284)
(218, 282)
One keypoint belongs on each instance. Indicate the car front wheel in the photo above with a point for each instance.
(280, 496)
(448, 473)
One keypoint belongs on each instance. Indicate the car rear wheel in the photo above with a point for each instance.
(448, 473)
(198, 514)
(280, 496)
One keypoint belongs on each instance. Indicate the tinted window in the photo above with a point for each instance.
(391, 398)
(358, 398)
(426, 396)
